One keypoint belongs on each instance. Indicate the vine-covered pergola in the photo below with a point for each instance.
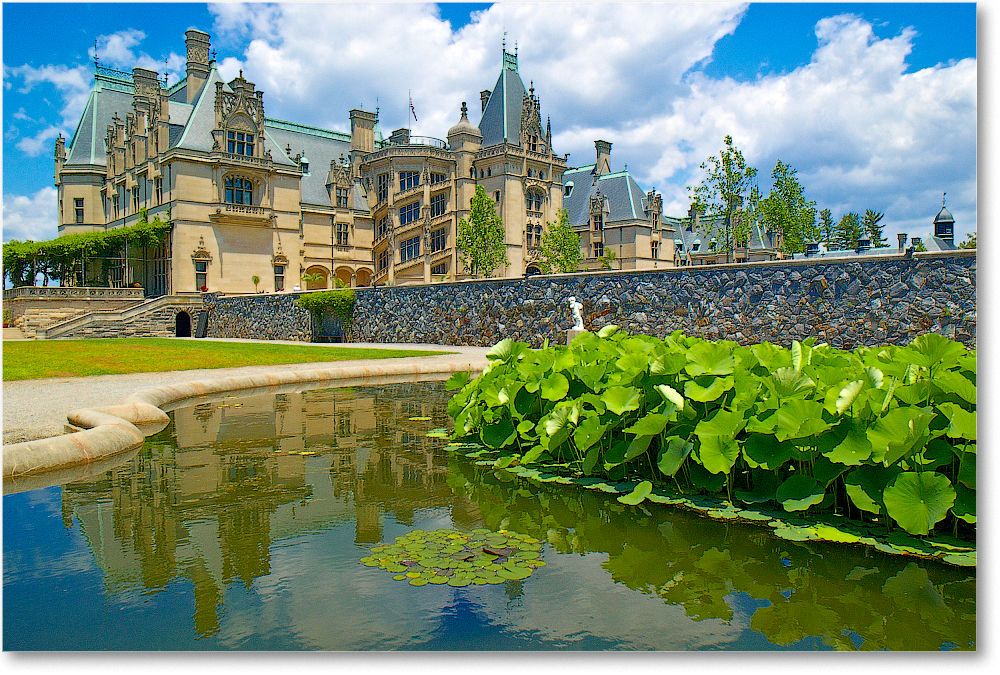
(85, 258)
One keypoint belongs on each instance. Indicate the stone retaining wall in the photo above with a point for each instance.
(846, 302)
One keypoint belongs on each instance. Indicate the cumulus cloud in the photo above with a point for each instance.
(30, 217)
(861, 130)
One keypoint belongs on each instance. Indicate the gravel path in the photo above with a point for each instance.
(34, 409)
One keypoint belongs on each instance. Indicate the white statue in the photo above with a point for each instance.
(576, 307)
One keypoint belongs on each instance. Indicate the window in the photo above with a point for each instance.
(200, 274)
(598, 249)
(382, 227)
(409, 213)
(496, 196)
(438, 203)
(534, 236)
(239, 190)
(342, 198)
(241, 143)
(383, 261)
(409, 249)
(382, 187)
(598, 223)
(533, 143)
(158, 187)
(440, 269)
(78, 210)
(439, 240)
(438, 178)
(279, 278)
(654, 247)
(568, 189)
(408, 179)
(341, 234)
(135, 199)
(534, 201)
(116, 206)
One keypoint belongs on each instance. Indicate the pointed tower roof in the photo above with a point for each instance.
(501, 121)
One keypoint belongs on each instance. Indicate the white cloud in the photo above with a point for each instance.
(30, 217)
(862, 132)
(40, 142)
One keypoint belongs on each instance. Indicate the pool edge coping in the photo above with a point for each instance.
(114, 430)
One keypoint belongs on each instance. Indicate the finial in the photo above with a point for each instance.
(465, 110)
(95, 52)
(241, 73)
(515, 47)
(504, 41)
(943, 195)
(531, 88)
(213, 54)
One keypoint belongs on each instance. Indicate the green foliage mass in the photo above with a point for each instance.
(560, 247)
(786, 210)
(725, 192)
(481, 237)
(884, 431)
(339, 301)
(61, 258)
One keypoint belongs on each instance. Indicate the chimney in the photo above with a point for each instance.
(198, 44)
(603, 164)
(864, 245)
(484, 97)
(902, 241)
(812, 248)
(363, 130)
(915, 242)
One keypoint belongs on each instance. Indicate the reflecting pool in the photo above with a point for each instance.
(220, 535)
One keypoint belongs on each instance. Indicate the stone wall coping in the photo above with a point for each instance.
(104, 434)
(802, 262)
(76, 292)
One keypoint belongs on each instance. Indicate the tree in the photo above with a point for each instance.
(970, 241)
(607, 260)
(786, 210)
(560, 246)
(256, 282)
(848, 231)
(874, 230)
(723, 192)
(481, 236)
(826, 227)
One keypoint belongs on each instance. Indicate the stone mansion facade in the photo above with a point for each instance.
(289, 204)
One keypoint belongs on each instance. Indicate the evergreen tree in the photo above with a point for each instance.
(786, 210)
(826, 228)
(560, 246)
(874, 230)
(848, 231)
(725, 191)
(481, 238)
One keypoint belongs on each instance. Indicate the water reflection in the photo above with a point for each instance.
(219, 515)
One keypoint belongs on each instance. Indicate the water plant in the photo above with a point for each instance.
(884, 433)
(457, 558)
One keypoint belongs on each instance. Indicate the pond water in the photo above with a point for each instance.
(215, 536)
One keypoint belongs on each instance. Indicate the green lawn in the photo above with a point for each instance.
(74, 358)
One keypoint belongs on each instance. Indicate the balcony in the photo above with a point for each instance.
(242, 214)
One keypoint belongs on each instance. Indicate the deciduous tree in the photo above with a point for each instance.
(560, 246)
(725, 191)
(481, 238)
(787, 211)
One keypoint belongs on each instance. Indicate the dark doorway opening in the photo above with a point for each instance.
(182, 325)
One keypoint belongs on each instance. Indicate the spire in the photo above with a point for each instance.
(943, 195)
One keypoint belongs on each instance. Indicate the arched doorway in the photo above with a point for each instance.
(182, 324)
(364, 277)
(532, 270)
(316, 278)
(344, 276)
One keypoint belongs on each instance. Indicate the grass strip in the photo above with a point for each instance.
(115, 356)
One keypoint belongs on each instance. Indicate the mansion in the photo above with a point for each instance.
(259, 204)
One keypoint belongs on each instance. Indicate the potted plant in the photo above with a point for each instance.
(204, 289)
(256, 282)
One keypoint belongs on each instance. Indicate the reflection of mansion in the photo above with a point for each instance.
(251, 196)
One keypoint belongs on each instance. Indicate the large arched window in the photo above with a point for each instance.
(239, 190)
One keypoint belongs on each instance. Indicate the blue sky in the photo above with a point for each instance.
(875, 105)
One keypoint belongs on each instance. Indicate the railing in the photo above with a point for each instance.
(241, 208)
(428, 140)
(244, 159)
(124, 315)
(72, 292)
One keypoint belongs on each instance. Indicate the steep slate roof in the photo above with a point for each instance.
(106, 98)
(319, 146)
(501, 119)
(625, 198)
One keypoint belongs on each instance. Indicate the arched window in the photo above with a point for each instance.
(239, 190)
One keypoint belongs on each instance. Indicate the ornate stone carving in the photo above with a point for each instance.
(201, 253)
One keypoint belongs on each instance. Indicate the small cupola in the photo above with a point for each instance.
(944, 223)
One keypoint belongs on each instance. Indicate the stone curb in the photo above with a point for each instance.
(107, 432)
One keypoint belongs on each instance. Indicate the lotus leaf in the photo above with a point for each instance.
(765, 451)
(898, 433)
(932, 349)
(706, 389)
(457, 380)
(798, 418)
(847, 395)
(620, 400)
(670, 394)
(498, 434)
(965, 504)
(706, 480)
(708, 358)
(826, 471)
(962, 423)
(650, 424)
(673, 451)
(916, 501)
(637, 495)
(967, 470)
(555, 387)
(951, 382)
(588, 432)
(789, 382)
(799, 492)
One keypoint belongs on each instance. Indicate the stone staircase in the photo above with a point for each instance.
(13, 334)
(151, 318)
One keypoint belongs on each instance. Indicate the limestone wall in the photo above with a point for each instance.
(846, 302)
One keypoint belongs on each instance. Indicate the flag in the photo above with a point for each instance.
(412, 110)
